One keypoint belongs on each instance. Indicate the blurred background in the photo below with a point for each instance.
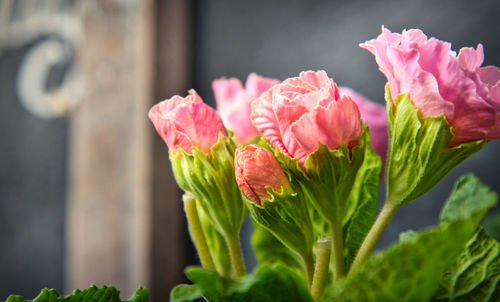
(86, 191)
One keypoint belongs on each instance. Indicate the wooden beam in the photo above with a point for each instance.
(109, 209)
(172, 76)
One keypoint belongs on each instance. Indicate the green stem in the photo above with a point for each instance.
(386, 214)
(233, 243)
(309, 266)
(323, 252)
(196, 232)
(338, 248)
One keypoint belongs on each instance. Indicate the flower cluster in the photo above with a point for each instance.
(315, 171)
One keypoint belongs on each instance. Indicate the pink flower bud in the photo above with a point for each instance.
(255, 168)
(187, 122)
(233, 102)
(440, 82)
(376, 117)
(300, 113)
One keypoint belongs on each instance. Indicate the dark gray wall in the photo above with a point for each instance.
(281, 38)
(32, 191)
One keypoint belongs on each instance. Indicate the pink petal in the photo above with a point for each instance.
(264, 119)
(376, 117)
(171, 136)
(286, 115)
(256, 169)
(227, 91)
(187, 122)
(379, 47)
(419, 82)
(256, 85)
(472, 116)
(238, 120)
(470, 58)
(239, 171)
(332, 126)
(200, 123)
(489, 74)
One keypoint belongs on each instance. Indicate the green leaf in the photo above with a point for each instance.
(91, 294)
(140, 295)
(185, 293)
(492, 225)
(411, 269)
(475, 275)
(210, 178)
(409, 235)
(362, 203)
(408, 271)
(469, 197)
(418, 156)
(269, 250)
(266, 284)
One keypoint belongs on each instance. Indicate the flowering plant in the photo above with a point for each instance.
(310, 185)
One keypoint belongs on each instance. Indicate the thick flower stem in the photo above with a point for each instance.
(309, 266)
(386, 214)
(323, 252)
(196, 232)
(233, 243)
(338, 248)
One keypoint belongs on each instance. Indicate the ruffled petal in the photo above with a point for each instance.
(227, 91)
(375, 115)
(264, 119)
(470, 58)
(332, 126)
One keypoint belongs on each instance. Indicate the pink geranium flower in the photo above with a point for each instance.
(255, 169)
(440, 82)
(187, 122)
(376, 117)
(233, 102)
(303, 112)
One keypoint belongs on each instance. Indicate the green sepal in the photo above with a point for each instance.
(328, 181)
(418, 156)
(285, 215)
(362, 203)
(210, 178)
(216, 244)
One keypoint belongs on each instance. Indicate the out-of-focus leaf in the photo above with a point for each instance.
(275, 283)
(91, 294)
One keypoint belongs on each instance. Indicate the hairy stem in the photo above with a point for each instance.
(386, 214)
(323, 252)
(233, 243)
(196, 232)
(309, 266)
(338, 248)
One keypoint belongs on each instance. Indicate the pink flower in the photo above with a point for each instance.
(255, 169)
(233, 102)
(376, 117)
(187, 122)
(440, 82)
(301, 113)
